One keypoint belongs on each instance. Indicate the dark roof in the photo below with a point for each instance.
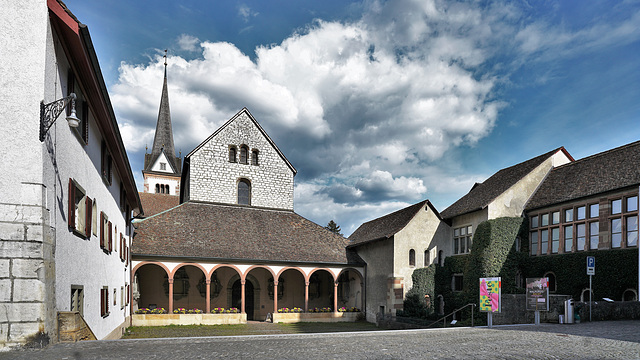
(163, 138)
(607, 171)
(482, 194)
(215, 231)
(157, 203)
(386, 226)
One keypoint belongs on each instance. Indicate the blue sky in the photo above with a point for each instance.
(378, 104)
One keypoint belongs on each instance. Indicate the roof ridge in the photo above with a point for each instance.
(397, 211)
(596, 155)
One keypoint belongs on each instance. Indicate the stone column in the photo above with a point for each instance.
(275, 297)
(335, 296)
(208, 296)
(171, 295)
(242, 306)
(306, 296)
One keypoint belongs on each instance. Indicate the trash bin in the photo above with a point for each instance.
(561, 319)
(568, 311)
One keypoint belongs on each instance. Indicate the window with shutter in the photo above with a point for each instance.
(79, 212)
(110, 244)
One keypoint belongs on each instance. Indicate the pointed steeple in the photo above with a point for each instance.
(163, 140)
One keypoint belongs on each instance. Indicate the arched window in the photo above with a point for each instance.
(157, 188)
(552, 281)
(427, 258)
(244, 192)
(244, 154)
(232, 154)
(630, 295)
(254, 157)
(441, 258)
(412, 257)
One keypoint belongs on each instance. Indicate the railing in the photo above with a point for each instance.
(444, 318)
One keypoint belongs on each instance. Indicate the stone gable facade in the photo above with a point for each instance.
(212, 177)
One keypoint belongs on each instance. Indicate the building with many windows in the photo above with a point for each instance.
(66, 190)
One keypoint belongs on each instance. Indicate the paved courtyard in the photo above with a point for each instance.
(597, 340)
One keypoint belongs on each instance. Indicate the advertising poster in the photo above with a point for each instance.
(490, 291)
(537, 294)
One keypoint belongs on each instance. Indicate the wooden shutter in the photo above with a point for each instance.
(72, 204)
(88, 216)
(102, 229)
(101, 302)
(85, 122)
(109, 245)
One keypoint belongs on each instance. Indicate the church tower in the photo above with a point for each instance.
(162, 167)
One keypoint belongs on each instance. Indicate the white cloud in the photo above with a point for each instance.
(187, 42)
(362, 108)
(246, 13)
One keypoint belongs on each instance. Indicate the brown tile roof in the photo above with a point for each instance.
(610, 170)
(215, 231)
(482, 194)
(386, 226)
(156, 203)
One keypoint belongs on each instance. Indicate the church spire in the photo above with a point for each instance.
(163, 140)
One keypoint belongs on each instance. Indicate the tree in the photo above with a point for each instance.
(333, 227)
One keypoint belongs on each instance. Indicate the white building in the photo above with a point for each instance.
(66, 200)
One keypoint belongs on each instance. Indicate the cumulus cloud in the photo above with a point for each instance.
(361, 108)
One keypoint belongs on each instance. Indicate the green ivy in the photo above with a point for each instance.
(616, 271)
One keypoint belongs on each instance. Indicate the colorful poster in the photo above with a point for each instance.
(490, 292)
(537, 294)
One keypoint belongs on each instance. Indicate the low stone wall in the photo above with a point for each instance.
(72, 327)
(188, 319)
(514, 310)
(315, 317)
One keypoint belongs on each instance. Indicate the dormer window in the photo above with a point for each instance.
(163, 166)
(244, 152)
(254, 157)
(232, 154)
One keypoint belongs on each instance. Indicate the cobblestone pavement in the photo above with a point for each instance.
(597, 340)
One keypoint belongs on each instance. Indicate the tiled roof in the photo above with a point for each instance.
(482, 194)
(610, 170)
(156, 203)
(214, 231)
(386, 226)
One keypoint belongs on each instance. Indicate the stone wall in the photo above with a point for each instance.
(213, 178)
(514, 310)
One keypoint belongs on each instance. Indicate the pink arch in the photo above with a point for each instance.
(292, 268)
(204, 272)
(225, 265)
(243, 276)
(135, 268)
(318, 269)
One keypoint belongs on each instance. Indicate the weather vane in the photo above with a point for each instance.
(165, 57)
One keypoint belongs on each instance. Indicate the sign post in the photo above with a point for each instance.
(490, 297)
(537, 296)
(591, 270)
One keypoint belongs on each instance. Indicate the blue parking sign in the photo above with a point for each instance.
(591, 265)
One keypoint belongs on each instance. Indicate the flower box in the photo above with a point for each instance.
(188, 319)
(315, 317)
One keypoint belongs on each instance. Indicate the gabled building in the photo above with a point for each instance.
(66, 190)
(505, 193)
(393, 246)
(235, 241)
(589, 205)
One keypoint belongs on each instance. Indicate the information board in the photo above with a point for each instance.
(490, 294)
(537, 294)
